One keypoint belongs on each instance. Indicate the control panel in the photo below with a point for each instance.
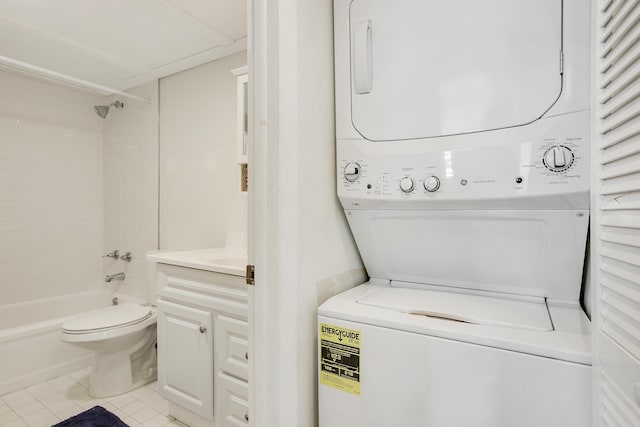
(553, 164)
(434, 173)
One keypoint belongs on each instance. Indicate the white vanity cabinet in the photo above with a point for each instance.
(203, 345)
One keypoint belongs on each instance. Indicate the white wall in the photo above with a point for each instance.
(200, 198)
(50, 190)
(131, 187)
(303, 249)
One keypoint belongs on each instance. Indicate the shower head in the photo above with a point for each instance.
(103, 110)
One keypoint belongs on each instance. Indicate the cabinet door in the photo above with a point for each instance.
(185, 357)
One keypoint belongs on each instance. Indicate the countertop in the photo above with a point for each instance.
(220, 260)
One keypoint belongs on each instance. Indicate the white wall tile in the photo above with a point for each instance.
(131, 187)
(50, 190)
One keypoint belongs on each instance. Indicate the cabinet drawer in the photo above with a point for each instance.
(234, 409)
(232, 345)
(214, 291)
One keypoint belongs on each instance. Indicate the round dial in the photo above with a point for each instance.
(352, 171)
(431, 183)
(558, 158)
(406, 184)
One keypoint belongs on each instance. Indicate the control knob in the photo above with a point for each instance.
(431, 183)
(406, 184)
(352, 171)
(558, 158)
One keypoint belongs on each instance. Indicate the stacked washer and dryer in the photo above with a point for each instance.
(463, 169)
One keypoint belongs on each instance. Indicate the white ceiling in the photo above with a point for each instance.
(120, 43)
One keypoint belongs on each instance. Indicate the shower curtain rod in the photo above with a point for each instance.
(63, 78)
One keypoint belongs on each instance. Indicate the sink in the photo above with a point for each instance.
(221, 260)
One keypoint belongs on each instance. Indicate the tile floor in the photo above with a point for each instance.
(48, 403)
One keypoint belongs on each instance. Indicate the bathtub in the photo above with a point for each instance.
(30, 347)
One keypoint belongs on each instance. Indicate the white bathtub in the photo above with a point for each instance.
(30, 346)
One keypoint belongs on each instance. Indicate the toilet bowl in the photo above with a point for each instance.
(123, 339)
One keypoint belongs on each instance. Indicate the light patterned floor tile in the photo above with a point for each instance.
(39, 415)
(8, 417)
(144, 414)
(121, 400)
(18, 400)
(158, 421)
(130, 421)
(67, 412)
(141, 393)
(42, 390)
(28, 409)
(59, 406)
(16, 395)
(152, 399)
(4, 407)
(133, 407)
(16, 423)
(46, 422)
(50, 402)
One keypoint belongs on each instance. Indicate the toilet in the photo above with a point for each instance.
(123, 339)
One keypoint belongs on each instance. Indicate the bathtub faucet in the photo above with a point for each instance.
(117, 276)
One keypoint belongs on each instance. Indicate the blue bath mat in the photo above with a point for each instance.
(94, 417)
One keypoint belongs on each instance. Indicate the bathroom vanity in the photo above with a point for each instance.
(203, 336)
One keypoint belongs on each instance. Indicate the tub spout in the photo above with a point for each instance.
(117, 276)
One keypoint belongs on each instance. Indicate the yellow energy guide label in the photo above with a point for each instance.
(340, 358)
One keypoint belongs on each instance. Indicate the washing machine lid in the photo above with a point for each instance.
(108, 318)
(422, 69)
(537, 253)
(478, 309)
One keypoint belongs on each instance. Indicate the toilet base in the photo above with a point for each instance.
(121, 371)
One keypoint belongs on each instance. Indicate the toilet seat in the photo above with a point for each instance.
(116, 316)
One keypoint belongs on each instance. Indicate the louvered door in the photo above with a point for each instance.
(617, 199)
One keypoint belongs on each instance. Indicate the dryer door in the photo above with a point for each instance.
(428, 68)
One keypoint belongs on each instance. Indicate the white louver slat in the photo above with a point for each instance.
(618, 125)
(617, 409)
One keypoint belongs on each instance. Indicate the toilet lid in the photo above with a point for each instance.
(108, 318)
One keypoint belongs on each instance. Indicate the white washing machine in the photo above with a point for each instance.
(463, 168)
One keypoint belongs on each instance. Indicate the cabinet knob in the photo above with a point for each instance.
(246, 356)
(246, 417)
(203, 329)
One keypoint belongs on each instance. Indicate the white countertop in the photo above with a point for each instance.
(221, 260)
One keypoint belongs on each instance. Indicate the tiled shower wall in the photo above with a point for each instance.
(50, 190)
(131, 187)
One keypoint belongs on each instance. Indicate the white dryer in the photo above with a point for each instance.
(462, 134)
